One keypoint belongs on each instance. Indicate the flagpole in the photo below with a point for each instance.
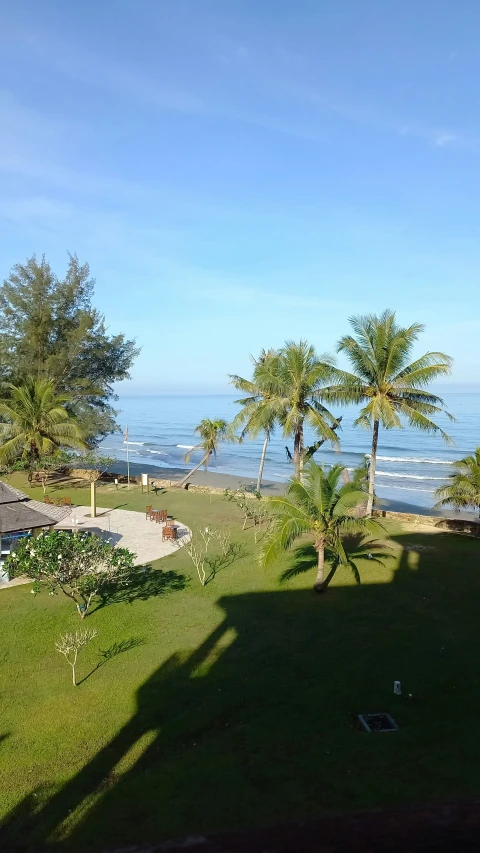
(128, 460)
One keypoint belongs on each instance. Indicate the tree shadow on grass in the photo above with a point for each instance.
(117, 648)
(357, 548)
(144, 583)
(305, 560)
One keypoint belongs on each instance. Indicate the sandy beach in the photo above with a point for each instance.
(201, 478)
(269, 487)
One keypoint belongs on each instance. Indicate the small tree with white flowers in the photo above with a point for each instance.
(82, 566)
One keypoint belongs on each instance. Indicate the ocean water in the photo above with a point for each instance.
(410, 466)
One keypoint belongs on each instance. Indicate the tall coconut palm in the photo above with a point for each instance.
(261, 408)
(386, 382)
(302, 376)
(324, 508)
(36, 422)
(463, 489)
(211, 434)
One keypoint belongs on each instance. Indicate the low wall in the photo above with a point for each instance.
(459, 525)
(110, 477)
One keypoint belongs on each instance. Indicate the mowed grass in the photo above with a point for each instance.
(233, 705)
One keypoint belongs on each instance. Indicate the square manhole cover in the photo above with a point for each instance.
(377, 723)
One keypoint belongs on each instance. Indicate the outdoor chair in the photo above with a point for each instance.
(163, 515)
(169, 532)
(148, 511)
(48, 500)
(169, 522)
(65, 501)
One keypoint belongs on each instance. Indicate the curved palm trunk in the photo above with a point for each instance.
(202, 462)
(373, 466)
(262, 461)
(298, 449)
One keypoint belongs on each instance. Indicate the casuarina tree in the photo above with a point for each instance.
(49, 329)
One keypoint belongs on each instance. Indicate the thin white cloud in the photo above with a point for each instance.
(444, 138)
(128, 82)
(279, 81)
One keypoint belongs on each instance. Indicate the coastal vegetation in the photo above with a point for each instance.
(55, 352)
(36, 423)
(390, 389)
(322, 507)
(50, 330)
(387, 385)
(262, 408)
(211, 433)
(287, 389)
(463, 489)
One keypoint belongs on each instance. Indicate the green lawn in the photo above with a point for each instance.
(233, 705)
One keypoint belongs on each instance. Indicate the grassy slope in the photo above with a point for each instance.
(234, 704)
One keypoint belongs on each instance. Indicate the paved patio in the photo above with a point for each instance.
(127, 529)
(122, 527)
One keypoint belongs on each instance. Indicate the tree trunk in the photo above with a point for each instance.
(373, 465)
(309, 451)
(262, 462)
(298, 449)
(204, 460)
(93, 499)
(319, 580)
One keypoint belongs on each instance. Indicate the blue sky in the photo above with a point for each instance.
(240, 172)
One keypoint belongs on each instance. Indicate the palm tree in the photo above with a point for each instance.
(463, 490)
(302, 375)
(386, 382)
(261, 409)
(36, 422)
(324, 507)
(211, 434)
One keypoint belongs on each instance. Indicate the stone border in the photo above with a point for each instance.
(455, 525)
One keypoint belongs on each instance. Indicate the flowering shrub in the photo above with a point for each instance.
(82, 566)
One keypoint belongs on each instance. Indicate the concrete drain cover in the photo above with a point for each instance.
(377, 723)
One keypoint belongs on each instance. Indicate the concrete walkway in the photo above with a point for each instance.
(127, 529)
(121, 527)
